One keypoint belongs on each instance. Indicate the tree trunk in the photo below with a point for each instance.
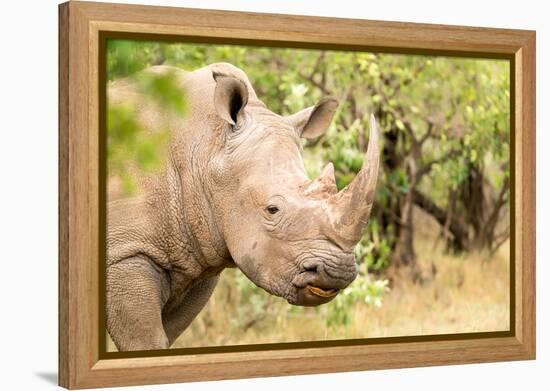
(458, 230)
(403, 252)
(473, 201)
(397, 216)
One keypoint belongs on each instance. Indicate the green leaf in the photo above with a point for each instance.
(400, 125)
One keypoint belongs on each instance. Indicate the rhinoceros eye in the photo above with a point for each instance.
(272, 209)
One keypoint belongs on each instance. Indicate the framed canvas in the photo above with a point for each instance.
(246, 195)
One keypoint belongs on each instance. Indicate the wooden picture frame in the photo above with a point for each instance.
(83, 25)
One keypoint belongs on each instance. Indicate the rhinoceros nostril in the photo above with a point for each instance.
(311, 266)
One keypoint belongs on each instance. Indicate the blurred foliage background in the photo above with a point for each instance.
(435, 257)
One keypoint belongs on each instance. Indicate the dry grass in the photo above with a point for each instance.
(467, 293)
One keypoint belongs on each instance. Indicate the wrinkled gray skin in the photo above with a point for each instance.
(235, 193)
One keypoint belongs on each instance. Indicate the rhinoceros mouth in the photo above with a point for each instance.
(321, 292)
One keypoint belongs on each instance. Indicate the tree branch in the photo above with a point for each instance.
(428, 133)
(495, 212)
(500, 239)
(311, 76)
(457, 229)
(426, 168)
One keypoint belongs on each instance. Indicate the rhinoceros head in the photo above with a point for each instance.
(292, 236)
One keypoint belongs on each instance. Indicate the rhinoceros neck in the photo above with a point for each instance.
(170, 224)
(194, 231)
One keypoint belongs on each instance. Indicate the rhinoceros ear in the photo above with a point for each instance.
(315, 120)
(230, 97)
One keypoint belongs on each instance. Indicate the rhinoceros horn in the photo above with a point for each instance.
(324, 185)
(350, 208)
